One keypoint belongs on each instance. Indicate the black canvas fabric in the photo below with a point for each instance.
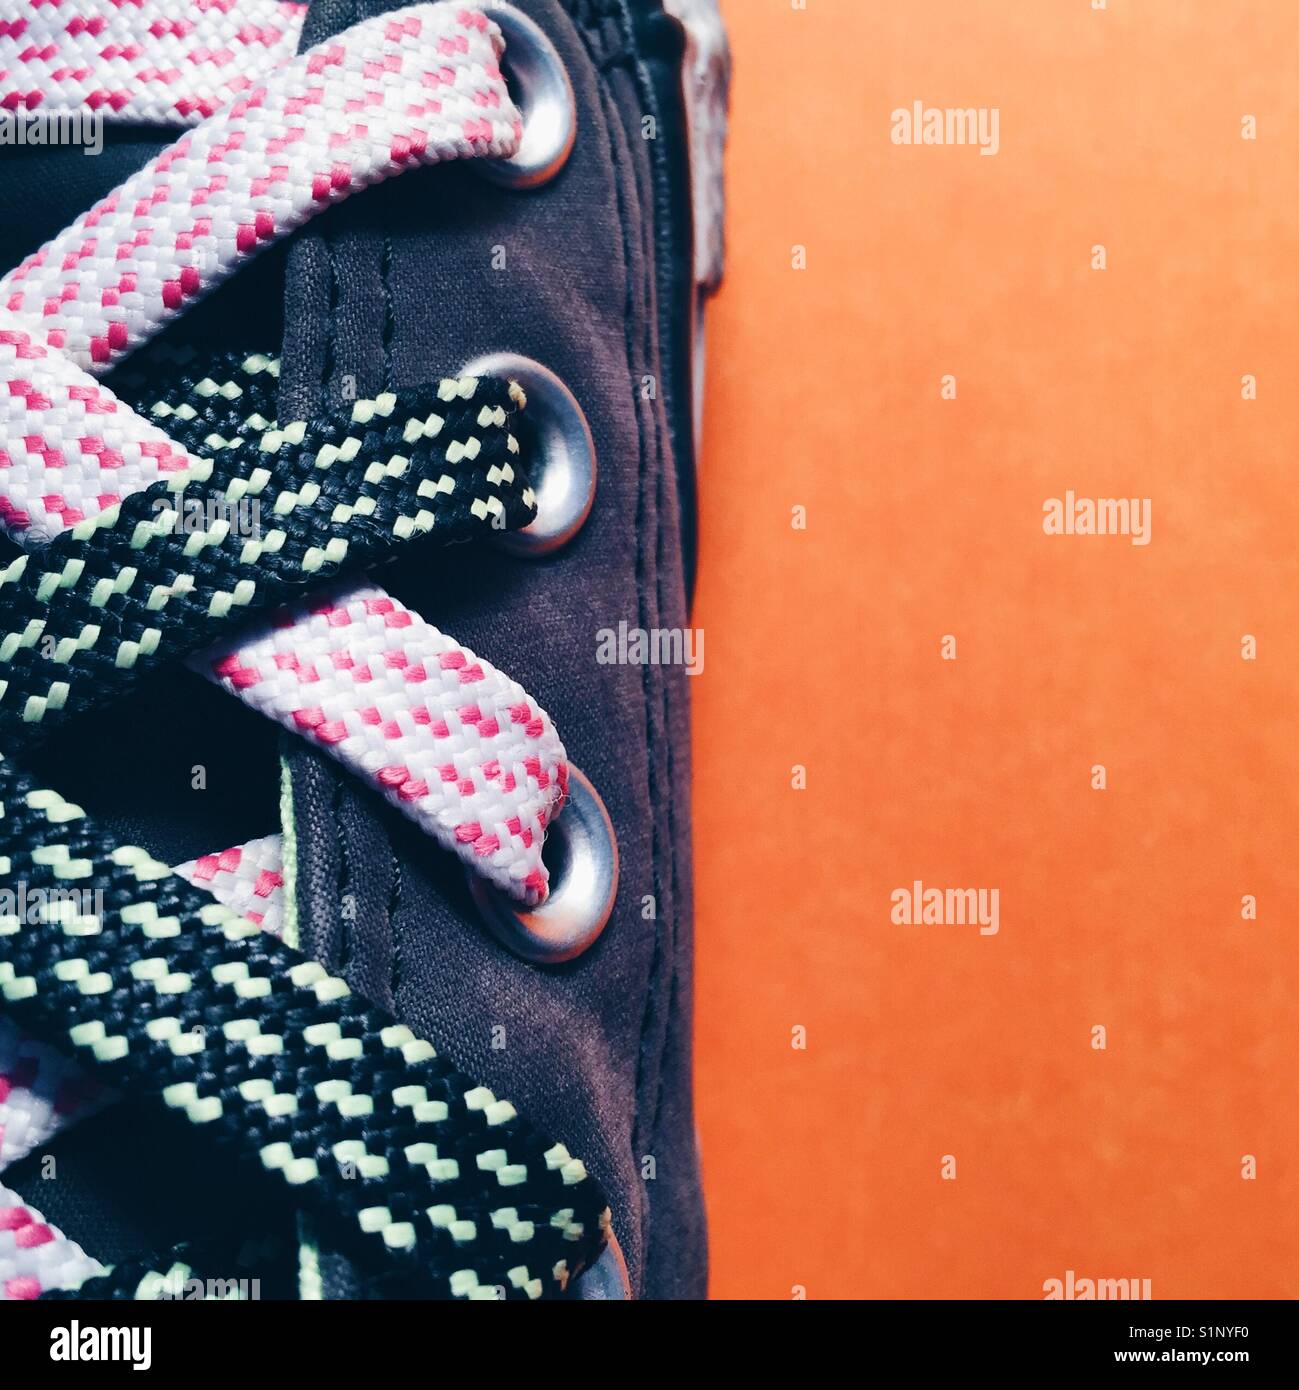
(394, 286)
(597, 1050)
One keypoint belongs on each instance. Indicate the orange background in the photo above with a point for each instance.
(1119, 907)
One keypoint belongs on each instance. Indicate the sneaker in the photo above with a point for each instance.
(347, 468)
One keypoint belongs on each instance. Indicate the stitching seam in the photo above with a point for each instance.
(648, 1012)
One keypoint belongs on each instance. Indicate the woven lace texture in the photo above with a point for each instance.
(412, 87)
(168, 62)
(425, 1172)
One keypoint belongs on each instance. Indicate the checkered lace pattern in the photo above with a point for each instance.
(165, 64)
(416, 86)
(413, 1165)
(305, 1084)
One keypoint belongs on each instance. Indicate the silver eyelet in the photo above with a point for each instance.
(563, 470)
(607, 1278)
(584, 883)
(539, 84)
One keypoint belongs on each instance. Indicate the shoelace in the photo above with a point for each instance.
(41, 1090)
(35, 1257)
(358, 1118)
(385, 639)
(109, 316)
(252, 1269)
(452, 742)
(405, 89)
(170, 68)
(136, 586)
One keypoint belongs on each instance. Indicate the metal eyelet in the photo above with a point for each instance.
(607, 1278)
(582, 851)
(563, 471)
(541, 89)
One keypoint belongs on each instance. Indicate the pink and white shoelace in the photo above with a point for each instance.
(161, 64)
(453, 743)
